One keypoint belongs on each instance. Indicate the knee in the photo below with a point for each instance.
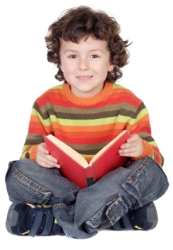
(147, 182)
(21, 182)
(24, 165)
(14, 178)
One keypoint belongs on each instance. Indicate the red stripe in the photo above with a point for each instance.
(86, 140)
(39, 131)
(141, 130)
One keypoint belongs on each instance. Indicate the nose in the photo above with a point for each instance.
(83, 64)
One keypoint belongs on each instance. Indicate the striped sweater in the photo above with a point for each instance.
(88, 124)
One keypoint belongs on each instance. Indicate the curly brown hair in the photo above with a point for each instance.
(76, 23)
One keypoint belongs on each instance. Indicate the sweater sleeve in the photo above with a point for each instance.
(141, 125)
(36, 131)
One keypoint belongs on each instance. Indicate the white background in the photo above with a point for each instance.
(25, 74)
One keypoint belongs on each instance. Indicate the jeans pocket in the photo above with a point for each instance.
(147, 183)
(116, 210)
(111, 213)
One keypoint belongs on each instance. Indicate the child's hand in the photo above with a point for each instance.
(133, 147)
(44, 159)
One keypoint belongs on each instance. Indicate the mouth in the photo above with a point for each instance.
(84, 78)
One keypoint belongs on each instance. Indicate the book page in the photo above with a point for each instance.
(69, 151)
(107, 146)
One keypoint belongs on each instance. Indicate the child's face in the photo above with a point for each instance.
(85, 65)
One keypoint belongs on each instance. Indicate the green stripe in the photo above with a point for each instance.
(153, 143)
(60, 86)
(95, 122)
(141, 114)
(46, 122)
(118, 86)
(87, 122)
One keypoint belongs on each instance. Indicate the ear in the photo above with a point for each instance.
(60, 67)
(111, 67)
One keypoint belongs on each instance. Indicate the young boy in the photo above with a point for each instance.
(86, 112)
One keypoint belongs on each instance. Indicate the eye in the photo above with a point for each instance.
(94, 56)
(72, 56)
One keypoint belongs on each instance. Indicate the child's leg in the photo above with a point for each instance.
(26, 181)
(109, 199)
(103, 203)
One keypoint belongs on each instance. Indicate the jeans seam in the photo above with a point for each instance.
(29, 181)
(96, 214)
(113, 217)
(133, 184)
(138, 170)
(132, 177)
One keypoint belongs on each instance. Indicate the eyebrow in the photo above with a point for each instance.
(93, 50)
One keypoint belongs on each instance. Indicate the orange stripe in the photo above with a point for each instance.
(27, 149)
(35, 124)
(112, 133)
(143, 120)
(118, 125)
(81, 141)
(34, 118)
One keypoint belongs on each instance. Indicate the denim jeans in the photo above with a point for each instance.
(81, 212)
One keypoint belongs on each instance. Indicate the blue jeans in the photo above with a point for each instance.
(81, 212)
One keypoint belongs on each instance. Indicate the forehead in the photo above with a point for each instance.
(84, 43)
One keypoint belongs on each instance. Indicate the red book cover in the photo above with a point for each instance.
(75, 167)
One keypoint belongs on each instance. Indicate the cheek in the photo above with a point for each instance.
(68, 68)
(101, 69)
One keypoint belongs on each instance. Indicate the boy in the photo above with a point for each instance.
(86, 112)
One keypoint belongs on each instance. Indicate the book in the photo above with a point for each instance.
(75, 167)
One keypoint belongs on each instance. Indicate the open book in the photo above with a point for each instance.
(75, 167)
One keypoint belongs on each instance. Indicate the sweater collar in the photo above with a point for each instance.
(87, 100)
